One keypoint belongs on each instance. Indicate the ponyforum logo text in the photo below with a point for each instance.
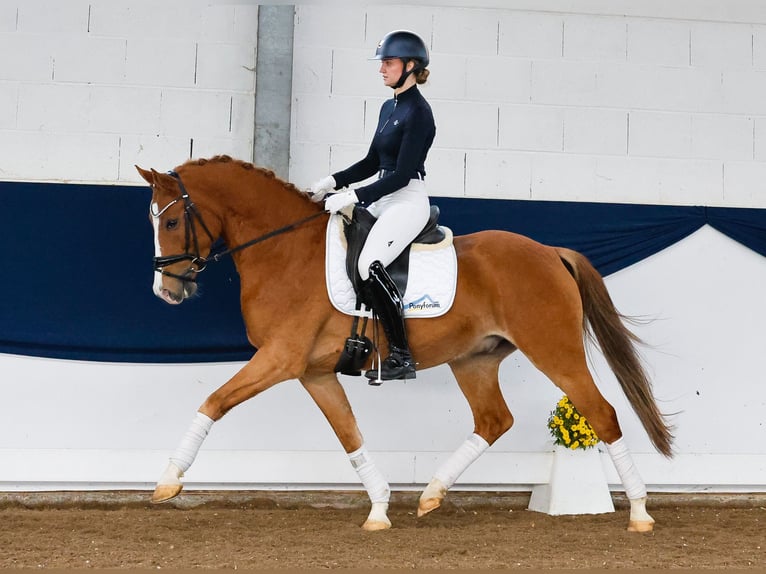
(423, 304)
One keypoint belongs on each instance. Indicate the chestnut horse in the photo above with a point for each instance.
(512, 293)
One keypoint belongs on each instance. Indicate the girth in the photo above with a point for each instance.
(358, 228)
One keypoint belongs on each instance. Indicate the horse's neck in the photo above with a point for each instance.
(259, 205)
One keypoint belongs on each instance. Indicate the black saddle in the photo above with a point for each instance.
(358, 228)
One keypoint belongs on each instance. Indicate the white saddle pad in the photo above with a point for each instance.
(430, 286)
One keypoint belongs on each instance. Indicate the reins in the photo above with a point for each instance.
(289, 227)
(196, 259)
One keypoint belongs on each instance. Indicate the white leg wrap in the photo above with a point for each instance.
(187, 451)
(623, 462)
(172, 475)
(372, 479)
(462, 458)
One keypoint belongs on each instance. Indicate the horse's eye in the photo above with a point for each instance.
(171, 224)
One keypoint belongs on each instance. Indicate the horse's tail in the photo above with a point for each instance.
(605, 325)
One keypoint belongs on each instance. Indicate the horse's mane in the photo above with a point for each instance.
(267, 173)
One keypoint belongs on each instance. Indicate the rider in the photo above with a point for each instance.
(398, 197)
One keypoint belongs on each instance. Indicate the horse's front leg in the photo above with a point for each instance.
(331, 399)
(264, 370)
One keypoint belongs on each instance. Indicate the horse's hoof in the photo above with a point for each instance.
(640, 525)
(164, 492)
(428, 505)
(373, 525)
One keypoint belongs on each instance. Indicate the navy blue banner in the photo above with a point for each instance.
(77, 266)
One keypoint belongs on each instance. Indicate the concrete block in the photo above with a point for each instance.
(56, 18)
(498, 174)
(660, 134)
(9, 97)
(345, 29)
(209, 146)
(497, 79)
(445, 172)
(659, 88)
(722, 137)
(759, 136)
(466, 125)
(466, 31)
(147, 19)
(37, 63)
(91, 60)
(312, 71)
(531, 128)
(562, 177)
(595, 38)
(564, 83)
(448, 77)
(308, 163)
(531, 34)
(721, 45)
(320, 119)
(226, 67)
(354, 74)
(744, 184)
(232, 23)
(343, 156)
(382, 19)
(658, 42)
(241, 124)
(54, 107)
(60, 157)
(596, 131)
(150, 151)
(159, 62)
(8, 17)
(659, 180)
(743, 92)
(759, 48)
(124, 110)
(195, 113)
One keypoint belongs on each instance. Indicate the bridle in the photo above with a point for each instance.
(198, 263)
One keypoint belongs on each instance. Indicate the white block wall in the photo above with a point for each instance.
(90, 88)
(662, 106)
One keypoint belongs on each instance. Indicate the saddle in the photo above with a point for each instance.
(358, 228)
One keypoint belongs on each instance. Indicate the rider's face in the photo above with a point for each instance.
(391, 70)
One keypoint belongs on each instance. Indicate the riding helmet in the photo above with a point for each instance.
(405, 45)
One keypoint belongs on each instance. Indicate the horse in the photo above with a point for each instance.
(512, 293)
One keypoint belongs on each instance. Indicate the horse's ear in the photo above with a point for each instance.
(147, 175)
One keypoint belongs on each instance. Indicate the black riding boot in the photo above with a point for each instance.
(381, 292)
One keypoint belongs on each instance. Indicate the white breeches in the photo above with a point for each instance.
(401, 217)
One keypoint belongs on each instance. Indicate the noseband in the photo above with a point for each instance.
(198, 263)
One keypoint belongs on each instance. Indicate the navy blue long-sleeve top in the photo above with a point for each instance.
(402, 139)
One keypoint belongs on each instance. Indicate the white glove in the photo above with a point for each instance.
(338, 201)
(319, 189)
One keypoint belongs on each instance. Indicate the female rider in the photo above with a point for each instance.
(398, 197)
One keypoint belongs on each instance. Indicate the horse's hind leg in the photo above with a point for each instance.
(331, 399)
(477, 377)
(560, 354)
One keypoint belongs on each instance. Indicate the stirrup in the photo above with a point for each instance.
(397, 366)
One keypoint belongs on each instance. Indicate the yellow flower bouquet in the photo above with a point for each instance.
(569, 428)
